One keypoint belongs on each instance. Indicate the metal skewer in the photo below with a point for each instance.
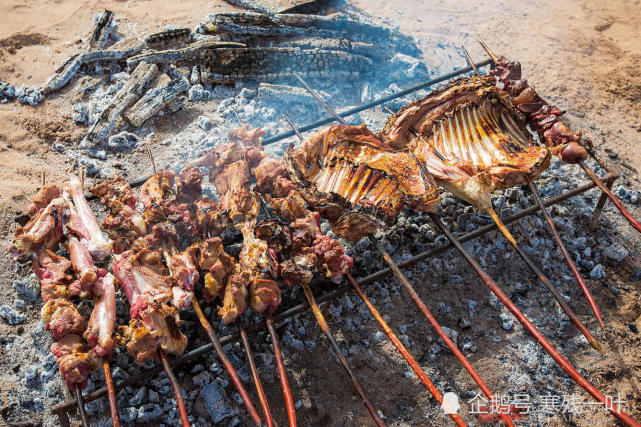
(559, 242)
(593, 176)
(410, 289)
(259, 386)
(81, 406)
(182, 409)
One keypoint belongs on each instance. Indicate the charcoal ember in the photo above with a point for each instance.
(29, 95)
(11, 316)
(177, 37)
(123, 141)
(164, 93)
(217, 403)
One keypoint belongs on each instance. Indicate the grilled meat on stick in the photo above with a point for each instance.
(154, 324)
(356, 182)
(552, 130)
(472, 139)
(124, 224)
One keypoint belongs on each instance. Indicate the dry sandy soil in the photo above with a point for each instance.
(584, 56)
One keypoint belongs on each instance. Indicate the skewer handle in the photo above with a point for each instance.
(282, 373)
(81, 406)
(614, 199)
(113, 405)
(325, 327)
(259, 386)
(182, 409)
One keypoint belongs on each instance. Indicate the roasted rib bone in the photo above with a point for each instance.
(356, 182)
(471, 139)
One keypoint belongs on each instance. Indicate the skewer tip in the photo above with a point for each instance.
(469, 60)
(487, 50)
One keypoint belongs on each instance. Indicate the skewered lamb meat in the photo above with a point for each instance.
(44, 196)
(98, 245)
(215, 264)
(73, 360)
(545, 118)
(356, 182)
(153, 324)
(102, 322)
(124, 223)
(62, 318)
(157, 188)
(188, 187)
(470, 137)
(236, 198)
(52, 270)
(243, 144)
(43, 230)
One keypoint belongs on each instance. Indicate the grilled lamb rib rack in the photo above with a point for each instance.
(470, 138)
(356, 182)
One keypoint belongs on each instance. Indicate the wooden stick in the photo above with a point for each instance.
(341, 357)
(401, 348)
(282, 373)
(543, 279)
(469, 60)
(111, 392)
(564, 251)
(626, 213)
(547, 346)
(182, 409)
(259, 386)
(81, 406)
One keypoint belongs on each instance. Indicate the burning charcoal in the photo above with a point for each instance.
(123, 141)
(204, 123)
(31, 376)
(198, 93)
(148, 412)
(616, 252)
(506, 322)
(80, 113)
(128, 415)
(165, 93)
(27, 289)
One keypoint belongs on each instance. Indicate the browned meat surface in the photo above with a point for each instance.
(52, 270)
(356, 181)
(157, 188)
(62, 318)
(188, 187)
(44, 196)
(470, 137)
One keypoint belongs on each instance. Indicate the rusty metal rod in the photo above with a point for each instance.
(302, 307)
(180, 402)
(339, 353)
(547, 346)
(259, 386)
(617, 203)
(401, 348)
(81, 406)
(282, 372)
(111, 392)
(564, 251)
(546, 282)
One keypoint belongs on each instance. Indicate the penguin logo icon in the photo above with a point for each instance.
(450, 403)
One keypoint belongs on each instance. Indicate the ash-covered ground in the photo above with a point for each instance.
(510, 361)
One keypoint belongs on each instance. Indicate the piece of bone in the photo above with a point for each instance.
(110, 118)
